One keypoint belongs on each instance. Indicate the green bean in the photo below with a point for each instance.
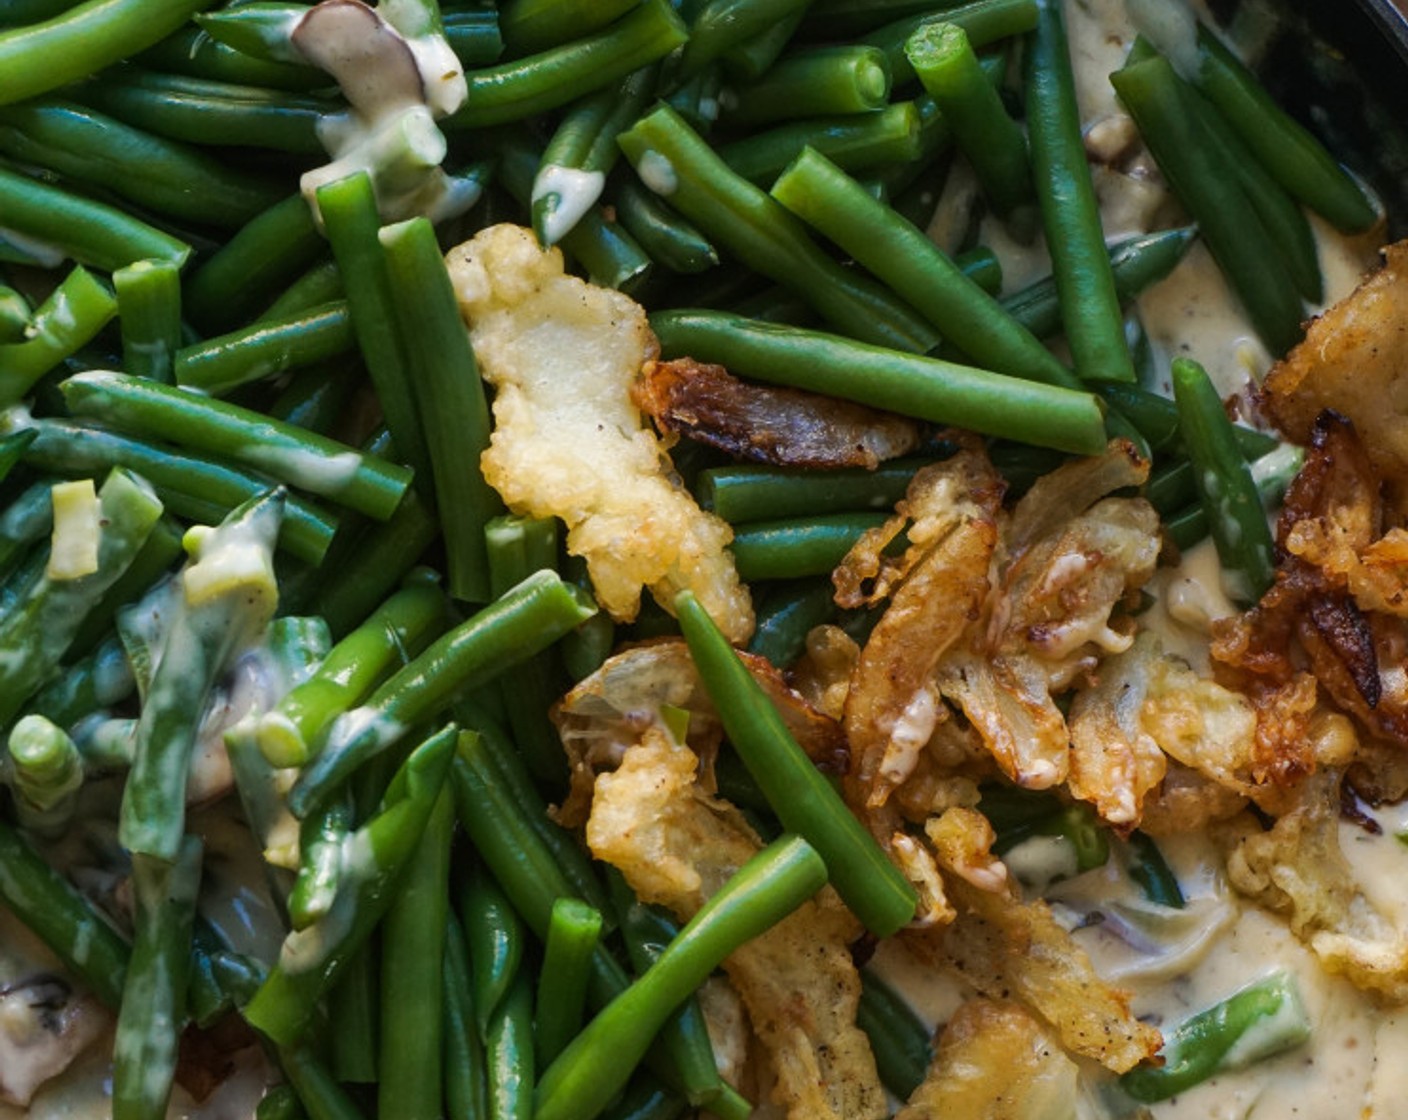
(559, 75)
(398, 630)
(280, 1102)
(1226, 488)
(91, 233)
(1293, 156)
(647, 931)
(519, 624)
(754, 57)
(809, 546)
(984, 22)
(154, 994)
(802, 798)
(352, 1005)
(665, 236)
(45, 773)
(723, 25)
(573, 933)
(744, 493)
(159, 175)
(697, 100)
(1258, 1021)
(86, 38)
(38, 629)
(535, 25)
(508, 1054)
(312, 959)
(857, 142)
(383, 554)
(475, 36)
(261, 30)
(320, 844)
(900, 254)
(1230, 226)
(190, 486)
(454, 415)
(350, 216)
(1148, 868)
(573, 168)
(495, 940)
(199, 423)
(72, 315)
(266, 349)
(646, 1099)
(982, 266)
(321, 283)
(19, 12)
(191, 52)
(1157, 418)
(220, 610)
(314, 400)
(149, 313)
(61, 917)
(412, 976)
(943, 58)
(14, 314)
(466, 1076)
(827, 81)
(835, 18)
(1272, 475)
(898, 1039)
(599, 1061)
(787, 615)
(321, 1095)
(267, 252)
(1069, 210)
(741, 219)
(925, 388)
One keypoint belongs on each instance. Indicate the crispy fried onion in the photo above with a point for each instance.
(608, 711)
(567, 442)
(1336, 603)
(676, 845)
(1352, 360)
(1298, 869)
(1008, 948)
(767, 424)
(995, 1061)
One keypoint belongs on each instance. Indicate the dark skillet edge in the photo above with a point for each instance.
(1341, 68)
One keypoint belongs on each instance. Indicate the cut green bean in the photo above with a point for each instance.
(1230, 226)
(261, 30)
(14, 314)
(535, 25)
(321, 283)
(787, 615)
(858, 142)
(312, 959)
(454, 414)
(1148, 868)
(599, 1061)
(466, 1075)
(744, 493)
(925, 388)
(266, 349)
(827, 81)
(192, 53)
(996, 149)
(350, 217)
(508, 1054)
(495, 939)
(1156, 417)
(265, 254)
(804, 801)
(810, 546)
(519, 624)
(160, 175)
(559, 75)
(412, 977)
(901, 255)
(1226, 488)
(397, 631)
(898, 1038)
(1258, 1021)
(723, 25)
(320, 846)
(1070, 211)
(1297, 160)
(743, 220)
(45, 771)
(199, 423)
(149, 313)
(474, 35)
(72, 315)
(984, 22)
(573, 933)
(665, 236)
(81, 41)
(190, 486)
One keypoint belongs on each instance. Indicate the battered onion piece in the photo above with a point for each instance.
(995, 1061)
(1007, 948)
(786, 427)
(676, 846)
(568, 442)
(1354, 359)
(1298, 869)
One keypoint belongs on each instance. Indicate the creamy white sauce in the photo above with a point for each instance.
(576, 191)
